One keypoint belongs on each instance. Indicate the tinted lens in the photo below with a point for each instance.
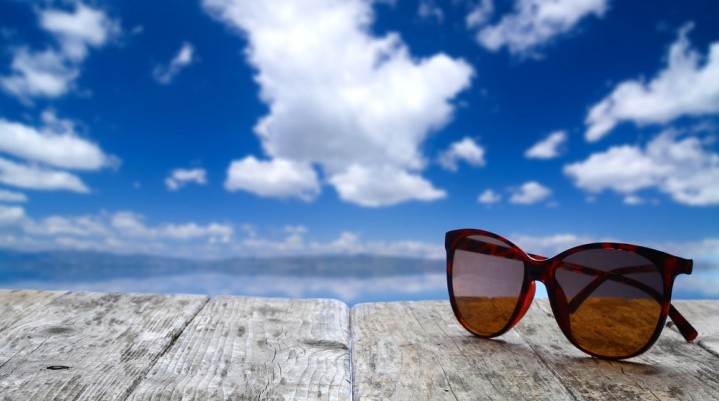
(487, 277)
(613, 298)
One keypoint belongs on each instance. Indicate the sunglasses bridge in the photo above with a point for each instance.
(538, 269)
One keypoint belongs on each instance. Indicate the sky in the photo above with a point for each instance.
(224, 128)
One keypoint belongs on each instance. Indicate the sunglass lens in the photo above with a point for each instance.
(613, 299)
(486, 280)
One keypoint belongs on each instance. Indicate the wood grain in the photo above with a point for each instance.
(14, 304)
(671, 370)
(416, 351)
(92, 346)
(704, 316)
(88, 346)
(241, 348)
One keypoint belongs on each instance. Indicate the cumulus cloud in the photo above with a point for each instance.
(466, 150)
(61, 226)
(294, 240)
(489, 197)
(53, 71)
(77, 31)
(164, 74)
(549, 147)
(11, 215)
(36, 177)
(130, 232)
(685, 87)
(274, 178)
(373, 187)
(124, 225)
(54, 144)
(480, 13)
(180, 177)
(552, 244)
(373, 105)
(533, 23)
(37, 74)
(428, 9)
(633, 200)
(529, 193)
(681, 166)
(12, 196)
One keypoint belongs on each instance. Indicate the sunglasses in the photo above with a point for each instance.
(611, 300)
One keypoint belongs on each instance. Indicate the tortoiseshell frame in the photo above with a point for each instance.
(540, 268)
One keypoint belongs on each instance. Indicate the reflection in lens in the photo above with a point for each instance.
(613, 298)
(486, 282)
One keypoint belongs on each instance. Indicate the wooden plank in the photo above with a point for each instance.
(89, 346)
(240, 348)
(418, 351)
(671, 370)
(704, 316)
(15, 304)
(408, 351)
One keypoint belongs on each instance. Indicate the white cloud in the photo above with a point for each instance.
(551, 245)
(11, 215)
(164, 74)
(684, 87)
(633, 200)
(35, 177)
(548, 148)
(683, 168)
(374, 187)
(39, 74)
(529, 193)
(180, 177)
(481, 12)
(428, 9)
(52, 72)
(466, 150)
(132, 225)
(373, 105)
(76, 31)
(535, 23)
(122, 231)
(274, 178)
(191, 230)
(82, 226)
(55, 144)
(294, 241)
(12, 196)
(129, 232)
(489, 197)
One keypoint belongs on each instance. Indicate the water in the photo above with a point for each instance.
(351, 290)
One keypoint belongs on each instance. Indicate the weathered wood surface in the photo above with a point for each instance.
(181, 347)
(704, 316)
(241, 348)
(417, 351)
(86, 346)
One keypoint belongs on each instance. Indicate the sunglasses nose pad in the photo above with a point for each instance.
(525, 303)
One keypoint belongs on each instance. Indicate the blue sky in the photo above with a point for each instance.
(223, 128)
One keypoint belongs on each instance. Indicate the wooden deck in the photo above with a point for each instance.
(99, 346)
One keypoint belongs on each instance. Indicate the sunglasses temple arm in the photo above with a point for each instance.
(685, 328)
(601, 276)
